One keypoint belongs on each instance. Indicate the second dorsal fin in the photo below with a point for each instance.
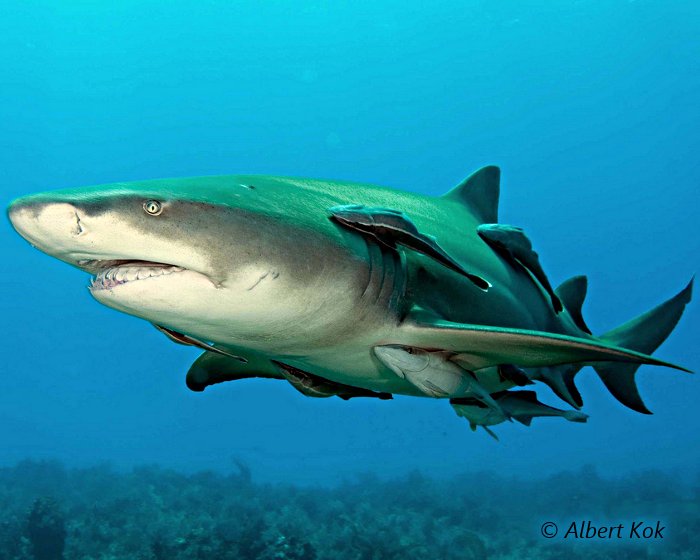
(572, 292)
(480, 192)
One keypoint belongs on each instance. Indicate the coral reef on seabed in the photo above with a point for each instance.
(49, 512)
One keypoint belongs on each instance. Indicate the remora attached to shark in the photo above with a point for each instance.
(344, 289)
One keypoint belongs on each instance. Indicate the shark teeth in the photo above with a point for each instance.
(111, 277)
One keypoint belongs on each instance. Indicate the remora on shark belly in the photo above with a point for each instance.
(308, 281)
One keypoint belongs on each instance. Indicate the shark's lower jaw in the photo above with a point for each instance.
(112, 273)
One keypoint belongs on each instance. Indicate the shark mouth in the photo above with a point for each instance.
(111, 273)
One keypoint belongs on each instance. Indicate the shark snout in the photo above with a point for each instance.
(50, 226)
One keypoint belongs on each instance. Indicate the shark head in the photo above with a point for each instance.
(189, 254)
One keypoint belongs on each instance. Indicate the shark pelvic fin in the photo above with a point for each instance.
(509, 372)
(480, 192)
(483, 346)
(512, 243)
(644, 333)
(572, 293)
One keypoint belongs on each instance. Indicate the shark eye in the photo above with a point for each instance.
(153, 207)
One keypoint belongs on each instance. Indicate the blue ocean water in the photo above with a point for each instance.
(590, 108)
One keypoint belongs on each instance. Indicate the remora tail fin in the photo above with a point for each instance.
(643, 334)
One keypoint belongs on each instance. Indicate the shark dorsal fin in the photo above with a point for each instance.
(572, 292)
(480, 191)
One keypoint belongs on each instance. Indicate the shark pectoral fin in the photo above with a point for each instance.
(514, 245)
(211, 368)
(392, 227)
(481, 346)
(188, 340)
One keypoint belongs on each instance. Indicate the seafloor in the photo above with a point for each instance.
(49, 512)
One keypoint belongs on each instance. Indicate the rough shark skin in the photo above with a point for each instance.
(258, 267)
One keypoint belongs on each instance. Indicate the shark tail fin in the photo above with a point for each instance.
(643, 334)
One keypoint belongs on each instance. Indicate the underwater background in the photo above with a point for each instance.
(592, 111)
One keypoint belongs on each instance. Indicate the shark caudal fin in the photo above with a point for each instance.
(643, 334)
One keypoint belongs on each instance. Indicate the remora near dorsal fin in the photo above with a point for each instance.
(512, 243)
(392, 227)
(572, 293)
(480, 191)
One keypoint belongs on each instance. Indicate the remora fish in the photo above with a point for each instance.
(523, 406)
(272, 275)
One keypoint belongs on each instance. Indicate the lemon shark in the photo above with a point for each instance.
(343, 289)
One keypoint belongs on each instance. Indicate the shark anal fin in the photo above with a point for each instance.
(392, 227)
(514, 245)
(560, 379)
